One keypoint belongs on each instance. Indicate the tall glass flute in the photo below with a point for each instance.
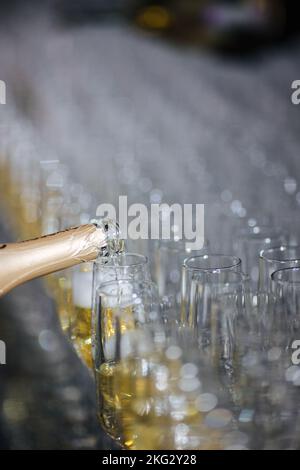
(124, 308)
(215, 306)
(207, 263)
(272, 260)
(79, 308)
(169, 256)
(249, 243)
(130, 266)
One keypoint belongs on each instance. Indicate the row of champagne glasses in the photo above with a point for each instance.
(238, 358)
(211, 298)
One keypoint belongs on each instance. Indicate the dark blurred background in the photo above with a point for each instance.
(229, 25)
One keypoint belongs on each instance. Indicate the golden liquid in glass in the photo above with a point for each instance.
(64, 302)
(81, 326)
(146, 419)
(108, 400)
(116, 384)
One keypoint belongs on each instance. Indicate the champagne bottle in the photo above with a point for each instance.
(26, 260)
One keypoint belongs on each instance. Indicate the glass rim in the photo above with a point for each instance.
(232, 278)
(235, 262)
(125, 281)
(280, 249)
(275, 276)
(141, 260)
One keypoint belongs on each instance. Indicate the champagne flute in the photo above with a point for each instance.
(124, 308)
(251, 241)
(272, 260)
(130, 266)
(207, 263)
(169, 256)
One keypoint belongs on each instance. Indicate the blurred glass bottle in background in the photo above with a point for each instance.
(226, 24)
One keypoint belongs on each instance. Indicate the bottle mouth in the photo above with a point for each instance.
(114, 243)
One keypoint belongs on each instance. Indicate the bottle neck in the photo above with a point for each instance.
(23, 261)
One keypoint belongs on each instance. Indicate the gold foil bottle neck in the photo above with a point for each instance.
(23, 261)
